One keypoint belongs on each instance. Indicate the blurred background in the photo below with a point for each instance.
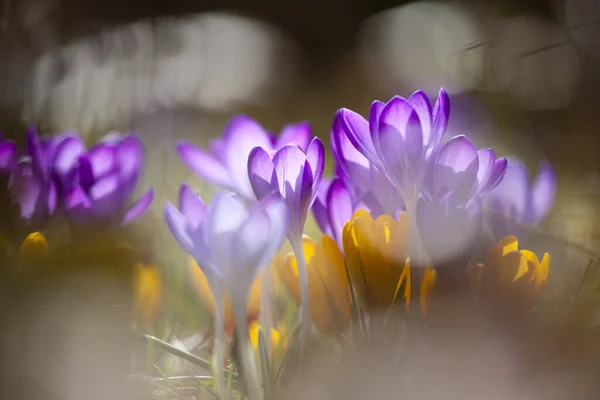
(523, 76)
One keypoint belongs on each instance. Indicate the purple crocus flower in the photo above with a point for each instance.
(98, 183)
(333, 207)
(459, 168)
(399, 138)
(226, 165)
(366, 182)
(8, 155)
(230, 244)
(517, 204)
(291, 172)
(31, 184)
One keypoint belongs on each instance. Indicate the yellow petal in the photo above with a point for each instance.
(276, 336)
(147, 292)
(33, 249)
(426, 288)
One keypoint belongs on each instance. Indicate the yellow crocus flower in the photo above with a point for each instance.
(510, 269)
(327, 280)
(33, 249)
(278, 340)
(202, 287)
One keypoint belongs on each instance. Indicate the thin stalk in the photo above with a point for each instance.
(305, 318)
(266, 310)
(246, 355)
(219, 345)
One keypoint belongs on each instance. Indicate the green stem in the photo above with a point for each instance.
(219, 345)
(305, 317)
(246, 355)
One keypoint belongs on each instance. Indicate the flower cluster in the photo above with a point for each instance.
(405, 208)
(59, 174)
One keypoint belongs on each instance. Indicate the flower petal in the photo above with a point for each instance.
(298, 133)
(456, 167)
(395, 116)
(77, 204)
(339, 207)
(422, 106)
(315, 155)
(374, 116)
(8, 155)
(441, 115)
(139, 207)
(358, 132)
(106, 196)
(129, 157)
(512, 193)
(204, 164)
(543, 192)
(177, 223)
(67, 155)
(261, 172)
(352, 163)
(96, 163)
(191, 205)
(319, 208)
(242, 135)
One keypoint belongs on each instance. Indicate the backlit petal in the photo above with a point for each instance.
(204, 164)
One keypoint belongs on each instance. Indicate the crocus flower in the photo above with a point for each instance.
(333, 207)
(8, 155)
(279, 341)
(367, 184)
(230, 244)
(226, 165)
(31, 182)
(296, 176)
(97, 184)
(376, 255)
(399, 138)
(328, 283)
(510, 275)
(516, 203)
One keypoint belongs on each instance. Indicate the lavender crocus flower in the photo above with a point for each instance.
(333, 207)
(230, 244)
(226, 165)
(366, 183)
(400, 138)
(8, 155)
(458, 167)
(96, 184)
(31, 181)
(517, 204)
(296, 176)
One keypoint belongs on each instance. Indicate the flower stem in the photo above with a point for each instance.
(219, 345)
(305, 317)
(266, 311)
(246, 354)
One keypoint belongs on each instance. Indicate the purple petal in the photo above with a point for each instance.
(289, 164)
(106, 196)
(315, 155)
(261, 172)
(242, 135)
(497, 174)
(191, 205)
(441, 115)
(395, 116)
(204, 165)
(177, 223)
(319, 207)
(299, 133)
(487, 158)
(374, 116)
(339, 207)
(280, 219)
(422, 107)
(27, 190)
(67, 155)
(456, 166)
(8, 155)
(129, 157)
(358, 132)
(543, 192)
(512, 193)
(52, 199)
(77, 204)
(96, 163)
(352, 163)
(139, 207)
